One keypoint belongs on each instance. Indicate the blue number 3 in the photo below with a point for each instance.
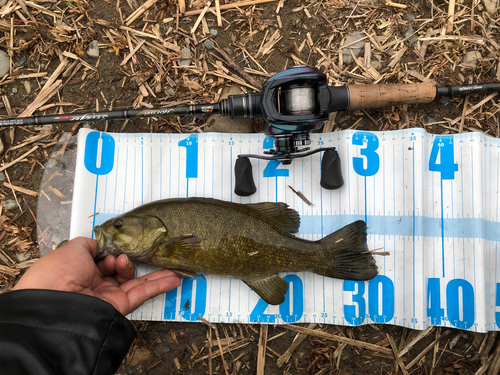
(371, 143)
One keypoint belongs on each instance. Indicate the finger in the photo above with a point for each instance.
(149, 289)
(125, 269)
(149, 277)
(107, 266)
(87, 243)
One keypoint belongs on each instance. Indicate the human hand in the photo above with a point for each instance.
(71, 268)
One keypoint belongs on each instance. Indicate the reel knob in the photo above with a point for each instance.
(245, 185)
(331, 172)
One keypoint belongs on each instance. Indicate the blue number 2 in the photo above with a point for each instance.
(271, 169)
(371, 143)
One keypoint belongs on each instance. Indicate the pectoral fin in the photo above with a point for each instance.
(271, 289)
(179, 247)
(185, 273)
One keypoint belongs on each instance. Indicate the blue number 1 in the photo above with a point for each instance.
(191, 144)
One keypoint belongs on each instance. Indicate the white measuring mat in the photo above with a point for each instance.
(431, 201)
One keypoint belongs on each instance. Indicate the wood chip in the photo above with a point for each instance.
(262, 347)
(202, 14)
(57, 192)
(424, 352)
(239, 4)
(328, 336)
(5, 166)
(132, 53)
(301, 196)
(21, 189)
(9, 271)
(295, 343)
(139, 11)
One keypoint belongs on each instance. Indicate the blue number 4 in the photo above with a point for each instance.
(443, 147)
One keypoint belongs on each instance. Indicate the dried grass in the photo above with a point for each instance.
(259, 40)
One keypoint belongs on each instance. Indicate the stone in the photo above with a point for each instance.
(3, 2)
(61, 23)
(133, 84)
(23, 257)
(410, 17)
(2, 176)
(14, 90)
(471, 59)
(185, 62)
(93, 50)
(9, 204)
(51, 163)
(429, 120)
(377, 65)
(4, 63)
(412, 38)
(491, 5)
(21, 61)
(355, 45)
(169, 90)
(209, 44)
(27, 87)
(185, 53)
(214, 32)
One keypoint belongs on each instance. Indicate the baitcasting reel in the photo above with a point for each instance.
(293, 103)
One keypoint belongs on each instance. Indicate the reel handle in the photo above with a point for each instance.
(377, 96)
(331, 171)
(244, 185)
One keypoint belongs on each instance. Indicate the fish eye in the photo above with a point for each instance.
(118, 224)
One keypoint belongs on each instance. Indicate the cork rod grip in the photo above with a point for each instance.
(384, 95)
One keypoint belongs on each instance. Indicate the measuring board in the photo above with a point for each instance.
(431, 201)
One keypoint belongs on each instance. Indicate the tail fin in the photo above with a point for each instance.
(346, 254)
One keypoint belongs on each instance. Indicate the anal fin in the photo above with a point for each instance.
(271, 289)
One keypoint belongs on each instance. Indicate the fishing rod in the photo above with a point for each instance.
(294, 103)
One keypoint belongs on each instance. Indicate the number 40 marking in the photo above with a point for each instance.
(443, 147)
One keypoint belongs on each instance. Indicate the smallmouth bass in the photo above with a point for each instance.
(252, 242)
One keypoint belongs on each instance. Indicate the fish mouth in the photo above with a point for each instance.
(104, 248)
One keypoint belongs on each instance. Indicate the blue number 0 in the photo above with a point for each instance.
(371, 143)
(99, 153)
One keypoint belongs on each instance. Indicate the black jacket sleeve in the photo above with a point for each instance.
(51, 332)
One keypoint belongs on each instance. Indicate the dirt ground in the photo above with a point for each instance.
(308, 32)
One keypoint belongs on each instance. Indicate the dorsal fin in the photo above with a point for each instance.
(287, 218)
